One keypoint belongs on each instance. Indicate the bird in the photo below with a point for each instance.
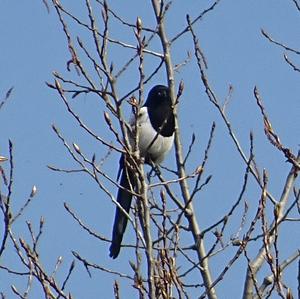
(156, 127)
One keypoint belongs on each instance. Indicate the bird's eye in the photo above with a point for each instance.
(162, 94)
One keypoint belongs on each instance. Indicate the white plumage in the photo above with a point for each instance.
(160, 147)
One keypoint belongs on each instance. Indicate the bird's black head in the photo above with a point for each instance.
(159, 95)
(160, 111)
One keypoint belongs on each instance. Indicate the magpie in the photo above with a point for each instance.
(156, 126)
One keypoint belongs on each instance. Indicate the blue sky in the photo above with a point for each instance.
(33, 46)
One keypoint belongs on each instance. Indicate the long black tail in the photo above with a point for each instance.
(124, 199)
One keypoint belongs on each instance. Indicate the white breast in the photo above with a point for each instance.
(147, 134)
